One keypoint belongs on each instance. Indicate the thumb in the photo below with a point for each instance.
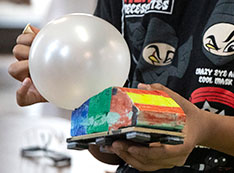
(186, 105)
(21, 93)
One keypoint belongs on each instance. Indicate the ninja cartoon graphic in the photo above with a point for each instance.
(218, 47)
(218, 37)
(159, 54)
(160, 44)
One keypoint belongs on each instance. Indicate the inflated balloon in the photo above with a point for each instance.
(75, 57)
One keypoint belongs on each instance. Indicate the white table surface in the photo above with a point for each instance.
(12, 134)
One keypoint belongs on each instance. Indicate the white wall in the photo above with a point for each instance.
(61, 7)
(14, 15)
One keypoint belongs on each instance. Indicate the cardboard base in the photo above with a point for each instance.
(140, 135)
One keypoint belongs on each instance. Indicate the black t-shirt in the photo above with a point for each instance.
(186, 45)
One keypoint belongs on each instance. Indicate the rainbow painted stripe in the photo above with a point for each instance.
(118, 107)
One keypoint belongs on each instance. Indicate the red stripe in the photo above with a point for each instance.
(213, 90)
(213, 94)
(218, 95)
(213, 99)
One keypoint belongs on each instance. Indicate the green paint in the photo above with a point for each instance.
(99, 106)
(171, 127)
(99, 124)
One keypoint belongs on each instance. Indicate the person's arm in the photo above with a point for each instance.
(218, 132)
(202, 128)
(215, 131)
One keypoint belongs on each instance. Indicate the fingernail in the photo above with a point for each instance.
(143, 86)
(25, 82)
(140, 85)
(27, 29)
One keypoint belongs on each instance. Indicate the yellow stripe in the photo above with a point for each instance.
(152, 100)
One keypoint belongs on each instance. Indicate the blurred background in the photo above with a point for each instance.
(39, 125)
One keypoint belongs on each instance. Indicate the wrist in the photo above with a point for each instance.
(205, 128)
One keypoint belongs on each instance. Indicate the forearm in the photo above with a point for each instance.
(218, 132)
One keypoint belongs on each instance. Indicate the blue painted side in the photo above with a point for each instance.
(79, 120)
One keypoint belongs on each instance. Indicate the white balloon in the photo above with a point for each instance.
(75, 57)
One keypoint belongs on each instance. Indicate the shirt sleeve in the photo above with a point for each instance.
(111, 11)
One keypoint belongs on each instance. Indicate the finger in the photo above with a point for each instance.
(30, 29)
(184, 104)
(155, 144)
(160, 152)
(19, 70)
(104, 157)
(164, 156)
(123, 145)
(34, 29)
(21, 52)
(145, 159)
(25, 39)
(138, 164)
(130, 160)
(120, 148)
(143, 86)
(21, 93)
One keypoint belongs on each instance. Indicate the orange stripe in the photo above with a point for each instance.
(144, 107)
(139, 91)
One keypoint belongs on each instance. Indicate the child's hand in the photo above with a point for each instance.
(27, 94)
(159, 156)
